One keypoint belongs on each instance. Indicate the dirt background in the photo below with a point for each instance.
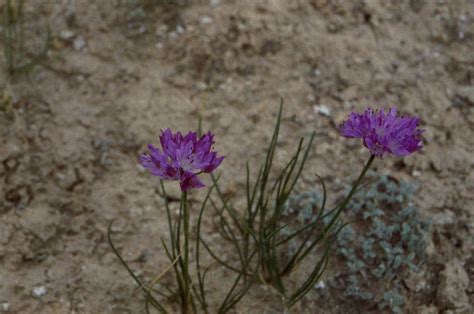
(113, 78)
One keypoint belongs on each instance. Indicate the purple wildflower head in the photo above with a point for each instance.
(182, 158)
(384, 133)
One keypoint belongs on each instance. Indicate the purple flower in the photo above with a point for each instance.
(384, 133)
(182, 158)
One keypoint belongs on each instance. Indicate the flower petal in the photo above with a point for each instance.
(190, 181)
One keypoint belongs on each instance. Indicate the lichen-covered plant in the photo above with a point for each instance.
(387, 241)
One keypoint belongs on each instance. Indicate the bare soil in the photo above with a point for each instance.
(77, 122)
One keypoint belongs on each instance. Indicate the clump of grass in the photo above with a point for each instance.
(18, 58)
(264, 227)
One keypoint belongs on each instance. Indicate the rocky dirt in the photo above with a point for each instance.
(115, 77)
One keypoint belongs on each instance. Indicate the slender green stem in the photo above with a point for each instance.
(296, 259)
(352, 192)
(186, 231)
(187, 291)
(201, 295)
(359, 179)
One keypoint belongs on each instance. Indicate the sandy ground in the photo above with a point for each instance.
(112, 81)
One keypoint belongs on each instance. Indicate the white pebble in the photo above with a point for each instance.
(79, 43)
(5, 306)
(201, 86)
(420, 286)
(66, 35)
(214, 2)
(179, 29)
(206, 20)
(39, 291)
(320, 285)
(323, 110)
(140, 168)
(416, 173)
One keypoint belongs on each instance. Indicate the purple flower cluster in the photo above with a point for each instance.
(384, 132)
(182, 158)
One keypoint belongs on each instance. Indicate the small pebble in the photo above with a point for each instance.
(206, 20)
(214, 2)
(39, 291)
(201, 86)
(416, 173)
(179, 29)
(322, 110)
(66, 35)
(140, 168)
(79, 43)
(11, 163)
(421, 285)
(5, 306)
(320, 285)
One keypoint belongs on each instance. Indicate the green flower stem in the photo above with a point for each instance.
(358, 181)
(186, 276)
(301, 254)
(352, 192)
